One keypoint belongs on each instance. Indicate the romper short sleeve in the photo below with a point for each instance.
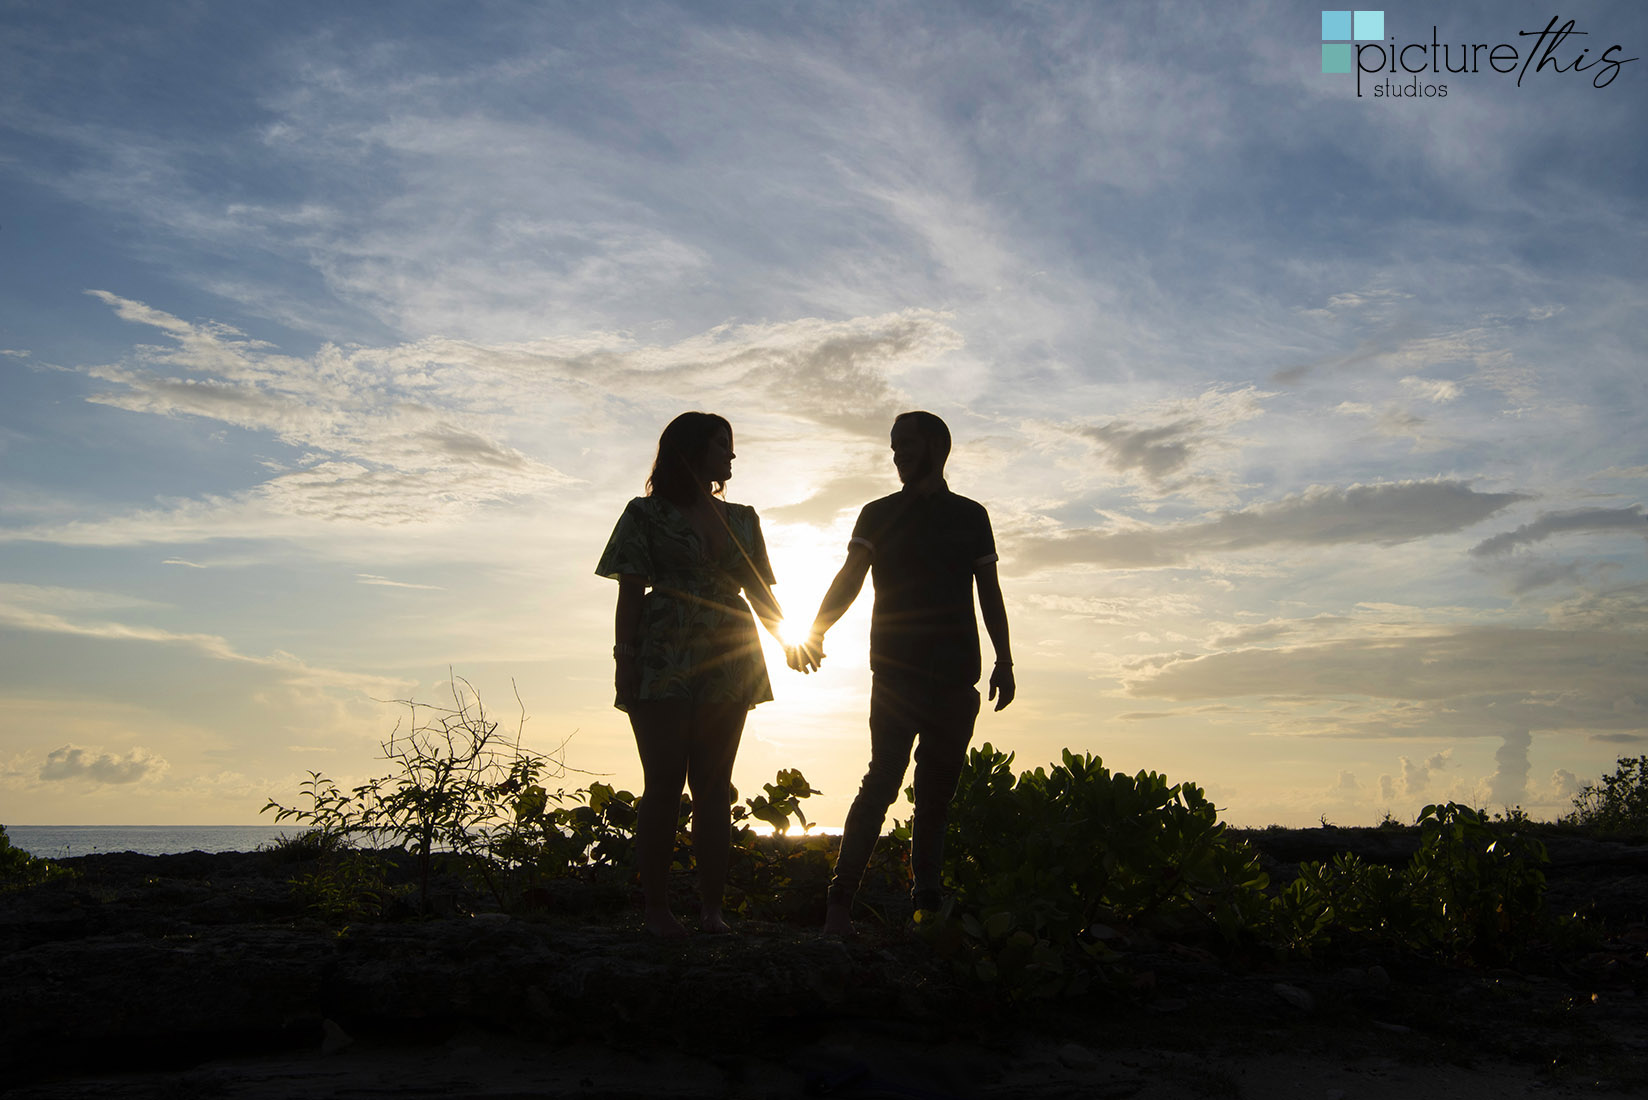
(755, 546)
(629, 550)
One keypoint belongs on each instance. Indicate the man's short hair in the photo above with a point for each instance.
(932, 429)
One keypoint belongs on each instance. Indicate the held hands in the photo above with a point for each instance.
(806, 657)
(1001, 684)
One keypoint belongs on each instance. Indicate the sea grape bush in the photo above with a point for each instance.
(1045, 862)
(1471, 891)
(1047, 866)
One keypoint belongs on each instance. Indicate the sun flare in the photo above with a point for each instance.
(805, 560)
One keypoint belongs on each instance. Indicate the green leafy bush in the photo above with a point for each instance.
(1043, 863)
(19, 868)
(1617, 805)
(1473, 889)
(778, 876)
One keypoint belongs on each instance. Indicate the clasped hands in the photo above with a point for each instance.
(807, 656)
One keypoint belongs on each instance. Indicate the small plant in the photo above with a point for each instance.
(306, 846)
(778, 876)
(349, 885)
(1618, 804)
(455, 786)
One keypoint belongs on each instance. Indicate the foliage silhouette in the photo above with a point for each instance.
(1051, 871)
(1619, 804)
(19, 869)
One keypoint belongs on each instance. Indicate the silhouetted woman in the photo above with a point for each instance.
(689, 664)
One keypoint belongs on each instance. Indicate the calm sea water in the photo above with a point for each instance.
(58, 841)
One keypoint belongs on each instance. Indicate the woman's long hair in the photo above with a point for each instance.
(680, 453)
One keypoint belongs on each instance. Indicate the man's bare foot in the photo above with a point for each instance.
(714, 923)
(838, 919)
(664, 926)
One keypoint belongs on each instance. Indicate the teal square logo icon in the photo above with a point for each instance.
(1340, 29)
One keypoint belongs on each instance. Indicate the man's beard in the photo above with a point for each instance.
(920, 469)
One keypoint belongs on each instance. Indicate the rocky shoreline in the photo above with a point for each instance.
(202, 975)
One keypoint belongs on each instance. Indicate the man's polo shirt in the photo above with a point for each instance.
(923, 551)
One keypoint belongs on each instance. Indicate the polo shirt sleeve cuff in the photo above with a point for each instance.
(866, 543)
(987, 559)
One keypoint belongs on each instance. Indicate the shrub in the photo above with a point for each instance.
(1045, 861)
(457, 789)
(19, 868)
(456, 786)
(1617, 805)
(1473, 889)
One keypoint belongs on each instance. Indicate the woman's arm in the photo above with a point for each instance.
(626, 631)
(766, 607)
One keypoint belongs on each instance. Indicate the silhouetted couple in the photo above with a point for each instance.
(689, 664)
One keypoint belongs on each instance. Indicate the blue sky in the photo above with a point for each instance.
(335, 338)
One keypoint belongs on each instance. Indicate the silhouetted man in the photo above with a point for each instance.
(923, 547)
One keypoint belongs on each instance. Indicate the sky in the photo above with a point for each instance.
(334, 338)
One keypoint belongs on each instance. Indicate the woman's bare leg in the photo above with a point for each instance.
(662, 735)
(716, 732)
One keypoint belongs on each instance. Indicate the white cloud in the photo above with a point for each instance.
(421, 433)
(1508, 786)
(1437, 391)
(98, 766)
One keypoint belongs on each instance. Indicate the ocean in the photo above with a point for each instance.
(58, 841)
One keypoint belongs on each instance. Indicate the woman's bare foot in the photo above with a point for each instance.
(664, 926)
(838, 919)
(714, 923)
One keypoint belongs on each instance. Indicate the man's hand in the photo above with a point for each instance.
(1001, 684)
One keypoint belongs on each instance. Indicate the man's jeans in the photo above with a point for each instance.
(903, 708)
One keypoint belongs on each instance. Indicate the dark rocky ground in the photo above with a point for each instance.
(203, 976)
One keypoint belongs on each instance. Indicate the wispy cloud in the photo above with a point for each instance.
(1460, 682)
(371, 578)
(1381, 515)
(419, 434)
(1581, 520)
(64, 611)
